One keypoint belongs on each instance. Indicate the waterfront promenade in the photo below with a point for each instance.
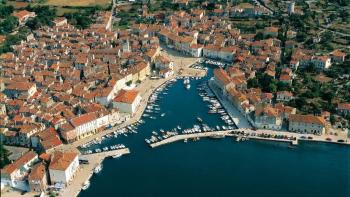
(251, 134)
(237, 117)
(86, 170)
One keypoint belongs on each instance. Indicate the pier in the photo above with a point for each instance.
(85, 171)
(269, 135)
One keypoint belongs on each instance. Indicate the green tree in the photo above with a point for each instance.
(8, 25)
(4, 156)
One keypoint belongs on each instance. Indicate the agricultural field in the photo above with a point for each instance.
(77, 3)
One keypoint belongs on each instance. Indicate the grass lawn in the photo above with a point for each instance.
(81, 3)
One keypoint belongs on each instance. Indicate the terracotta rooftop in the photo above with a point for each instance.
(126, 96)
(82, 119)
(307, 119)
(62, 160)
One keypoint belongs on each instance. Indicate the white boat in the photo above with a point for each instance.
(98, 169)
(117, 156)
(86, 185)
(163, 114)
(188, 86)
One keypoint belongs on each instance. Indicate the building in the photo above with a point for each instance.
(291, 6)
(127, 101)
(284, 96)
(344, 109)
(338, 56)
(19, 89)
(37, 178)
(162, 62)
(60, 21)
(15, 174)
(23, 16)
(63, 167)
(222, 80)
(307, 124)
(268, 118)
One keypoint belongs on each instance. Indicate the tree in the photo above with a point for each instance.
(5, 10)
(7, 25)
(4, 156)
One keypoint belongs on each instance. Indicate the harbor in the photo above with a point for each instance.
(165, 119)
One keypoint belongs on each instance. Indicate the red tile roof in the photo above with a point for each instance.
(82, 119)
(126, 96)
(62, 160)
(307, 119)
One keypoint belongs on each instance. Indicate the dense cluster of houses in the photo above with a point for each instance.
(65, 83)
(36, 173)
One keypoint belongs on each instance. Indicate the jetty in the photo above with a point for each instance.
(85, 171)
(239, 134)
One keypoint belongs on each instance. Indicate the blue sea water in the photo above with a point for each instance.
(217, 167)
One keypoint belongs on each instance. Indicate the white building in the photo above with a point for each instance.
(307, 124)
(15, 174)
(63, 167)
(127, 101)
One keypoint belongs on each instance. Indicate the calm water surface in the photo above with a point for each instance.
(217, 167)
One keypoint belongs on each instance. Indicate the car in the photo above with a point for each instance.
(341, 141)
(310, 138)
(328, 139)
(302, 137)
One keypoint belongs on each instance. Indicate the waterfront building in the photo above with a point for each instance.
(268, 118)
(127, 101)
(15, 174)
(307, 124)
(37, 178)
(222, 80)
(63, 167)
(162, 62)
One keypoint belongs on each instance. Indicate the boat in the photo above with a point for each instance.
(98, 169)
(217, 136)
(188, 86)
(86, 185)
(116, 156)
(199, 119)
(163, 114)
(185, 140)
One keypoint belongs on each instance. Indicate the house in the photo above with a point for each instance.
(162, 62)
(23, 16)
(37, 178)
(127, 101)
(284, 96)
(338, 56)
(270, 32)
(321, 62)
(222, 80)
(166, 72)
(196, 50)
(268, 118)
(63, 167)
(307, 124)
(17, 89)
(15, 174)
(344, 109)
(60, 21)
